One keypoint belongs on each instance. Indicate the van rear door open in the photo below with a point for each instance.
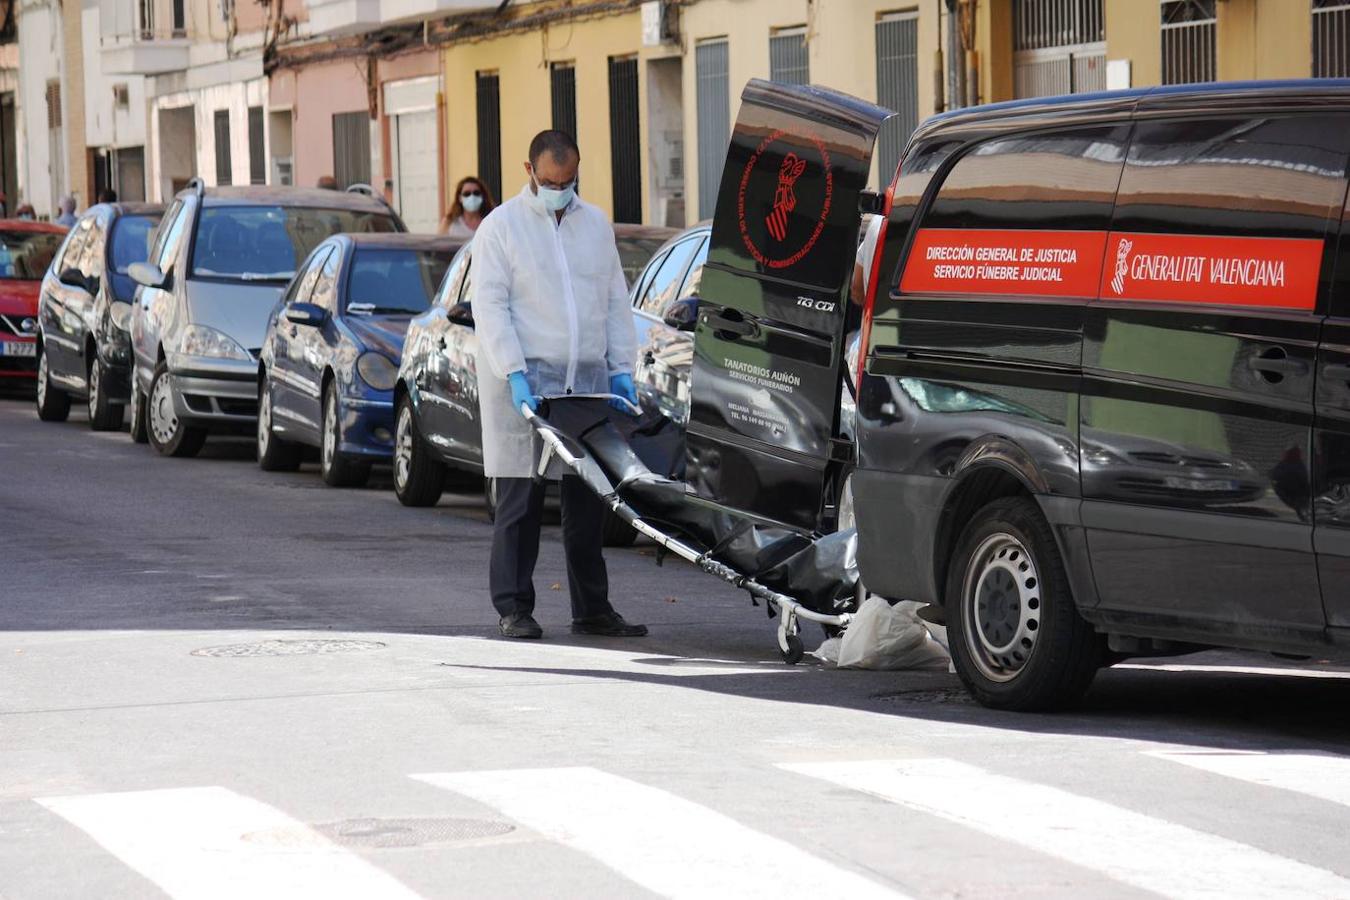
(769, 339)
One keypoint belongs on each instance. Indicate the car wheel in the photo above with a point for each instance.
(337, 470)
(53, 404)
(1017, 640)
(418, 477)
(140, 432)
(170, 435)
(615, 532)
(103, 414)
(275, 454)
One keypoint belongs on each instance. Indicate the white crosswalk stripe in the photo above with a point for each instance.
(1127, 846)
(192, 843)
(1323, 777)
(667, 844)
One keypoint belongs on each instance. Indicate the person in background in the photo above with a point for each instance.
(473, 201)
(327, 182)
(26, 211)
(550, 304)
(107, 195)
(67, 217)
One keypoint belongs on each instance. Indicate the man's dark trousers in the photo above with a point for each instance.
(515, 547)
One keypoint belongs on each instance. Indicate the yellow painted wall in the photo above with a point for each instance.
(1132, 32)
(522, 62)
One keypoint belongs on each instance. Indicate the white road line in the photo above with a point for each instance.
(1126, 846)
(1323, 777)
(1234, 670)
(667, 844)
(191, 843)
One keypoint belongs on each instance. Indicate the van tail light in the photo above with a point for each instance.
(873, 277)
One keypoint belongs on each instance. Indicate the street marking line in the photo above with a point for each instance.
(668, 845)
(1127, 846)
(1323, 777)
(191, 843)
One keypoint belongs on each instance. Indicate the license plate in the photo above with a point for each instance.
(17, 348)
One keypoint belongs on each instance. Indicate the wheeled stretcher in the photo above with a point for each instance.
(797, 576)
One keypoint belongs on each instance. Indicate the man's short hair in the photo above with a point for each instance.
(558, 144)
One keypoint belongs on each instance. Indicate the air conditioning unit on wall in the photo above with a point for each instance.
(660, 23)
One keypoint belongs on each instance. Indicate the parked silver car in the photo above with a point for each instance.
(221, 258)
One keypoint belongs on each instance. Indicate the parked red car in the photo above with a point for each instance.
(26, 249)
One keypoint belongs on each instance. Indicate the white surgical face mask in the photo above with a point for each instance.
(472, 202)
(555, 199)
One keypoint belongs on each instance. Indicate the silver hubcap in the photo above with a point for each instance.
(1002, 602)
(42, 378)
(94, 386)
(329, 432)
(403, 447)
(264, 421)
(163, 419)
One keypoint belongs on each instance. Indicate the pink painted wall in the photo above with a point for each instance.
(314, 94)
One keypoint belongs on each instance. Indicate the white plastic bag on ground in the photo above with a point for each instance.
(828, 651)
(882, 636)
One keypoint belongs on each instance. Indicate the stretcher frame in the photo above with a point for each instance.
(555, 444)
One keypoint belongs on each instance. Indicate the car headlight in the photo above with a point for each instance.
(120, 314)
(198, 340)
(377, 371)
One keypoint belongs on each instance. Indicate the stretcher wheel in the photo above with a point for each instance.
(795, 650)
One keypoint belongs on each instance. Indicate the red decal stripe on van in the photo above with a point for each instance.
(1279, 273)
(1011, 262)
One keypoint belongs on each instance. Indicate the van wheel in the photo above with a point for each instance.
(103, 414)
(140, 432)
(170, 435)
(1017, 640)
(418, 478)
(336, 469)
(274, 454)
(53, 404)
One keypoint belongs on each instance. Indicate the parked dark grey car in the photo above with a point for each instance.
(84, 312)
(220, 262)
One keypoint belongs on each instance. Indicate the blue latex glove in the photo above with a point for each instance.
(521, 393)
(622, 384)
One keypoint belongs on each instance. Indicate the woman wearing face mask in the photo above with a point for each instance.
(473, 201)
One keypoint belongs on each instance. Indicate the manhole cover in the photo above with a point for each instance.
(942, 695)
(289, 648)
(383, 833)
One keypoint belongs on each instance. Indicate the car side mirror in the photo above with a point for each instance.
(73, 277)
(306, 314)
(461, 314)
(147, 274)
(682, 315)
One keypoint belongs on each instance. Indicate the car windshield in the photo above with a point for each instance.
(634, 253)
(25, 255)
(268, 243)
(388, 281)
(131, 237)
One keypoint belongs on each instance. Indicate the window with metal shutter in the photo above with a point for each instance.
(223, 163)
(53, 104)
(714, 119)
(788, 58)
(897, 85)
(624, 141)
(563, 76)
(1059, 47)
(257, 162)
(490, 131)
(1188, 54)
(351, 148)
(1331, 39)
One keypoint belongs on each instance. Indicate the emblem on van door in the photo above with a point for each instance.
(1122, 265)
(782, 231)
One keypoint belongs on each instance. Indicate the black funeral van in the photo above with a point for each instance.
(1103, 405)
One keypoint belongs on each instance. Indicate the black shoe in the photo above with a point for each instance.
(520, 625)
(610, 625)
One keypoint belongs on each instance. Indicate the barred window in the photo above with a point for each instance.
(1331, 39)
(1038, 24)
(1188, 54)
(1059, 47)
(789, 61)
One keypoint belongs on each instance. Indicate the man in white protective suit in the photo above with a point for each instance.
(550, 307)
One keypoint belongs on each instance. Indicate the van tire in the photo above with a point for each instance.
(1034, 651)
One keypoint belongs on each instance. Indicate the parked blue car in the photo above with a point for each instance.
(330, 360)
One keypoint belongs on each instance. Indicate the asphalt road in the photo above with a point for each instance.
(169, 728)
